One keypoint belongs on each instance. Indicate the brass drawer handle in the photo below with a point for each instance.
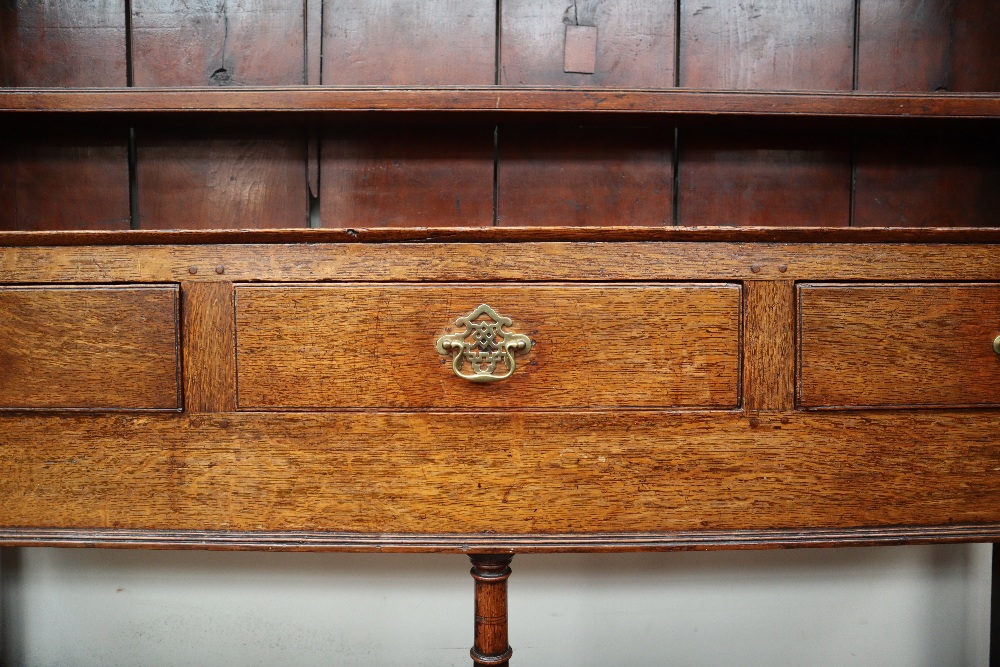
(483, 346)
(996, 344)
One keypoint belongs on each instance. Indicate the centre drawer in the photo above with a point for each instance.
(589, 346)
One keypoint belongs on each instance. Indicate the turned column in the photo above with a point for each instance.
(490, 572)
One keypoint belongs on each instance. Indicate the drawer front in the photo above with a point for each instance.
(89, 347)
(593, 346)
(898, 345)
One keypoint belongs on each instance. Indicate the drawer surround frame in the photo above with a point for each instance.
(768, 263)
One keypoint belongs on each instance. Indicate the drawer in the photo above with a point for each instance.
(89, 347)
(593, 346)
(898, 345)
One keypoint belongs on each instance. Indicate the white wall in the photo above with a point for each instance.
(905, 606)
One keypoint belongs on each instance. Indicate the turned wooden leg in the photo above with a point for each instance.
(490, 572)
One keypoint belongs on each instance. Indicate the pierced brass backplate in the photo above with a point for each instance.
(996, 344)
(483, 347)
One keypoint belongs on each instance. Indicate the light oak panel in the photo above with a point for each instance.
(89, 347)
(369, 346)
(512, 473)
(535, 261)
(898, 345)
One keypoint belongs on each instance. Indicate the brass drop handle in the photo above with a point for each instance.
(996, 344)
(479, 352)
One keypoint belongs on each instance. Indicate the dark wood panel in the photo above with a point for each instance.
(407, 177)
(358, 346)
(935, 179)
(934, 45)
(585, 176)
(62, 43)
(512, 474)
(8, 179)
(490, 102)
(89, 347)
(763, 177)
(898, 345)
(409, 42)
(767, 44)
(65, 177)
(208, 43)
(635, 43)
(220, 176)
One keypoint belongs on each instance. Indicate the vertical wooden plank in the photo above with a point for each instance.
(758, 177)
(67, 177)
(934, 179)
(208, 345)
(767, 44)
(635, 42)
(769, 345)
(221, 177)
(925, 45)
(8, 170)
(62, 43)
(407, 176)
(218, 42)
(585, 176)
(409, 42)
(70, 175)
(975, 47)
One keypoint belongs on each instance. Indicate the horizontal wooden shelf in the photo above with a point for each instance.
(417, 235)
(502, 100)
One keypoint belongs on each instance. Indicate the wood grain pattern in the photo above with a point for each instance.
(767, 44)
(585, 176)
(769, 345)
(487, 543)
(934, 45)
(89, 347)
(898, 345)
(763, 178)
(635, 43)
(62, 43)
(942, 178)
(407, 177)
(759, 237)
(209, 351)
(66, 178)
(493, 100)
(369, 346)
(225, 43)
(513, 473)
(409, 42)
(518, 260)
(221, 176)
(490, 572)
